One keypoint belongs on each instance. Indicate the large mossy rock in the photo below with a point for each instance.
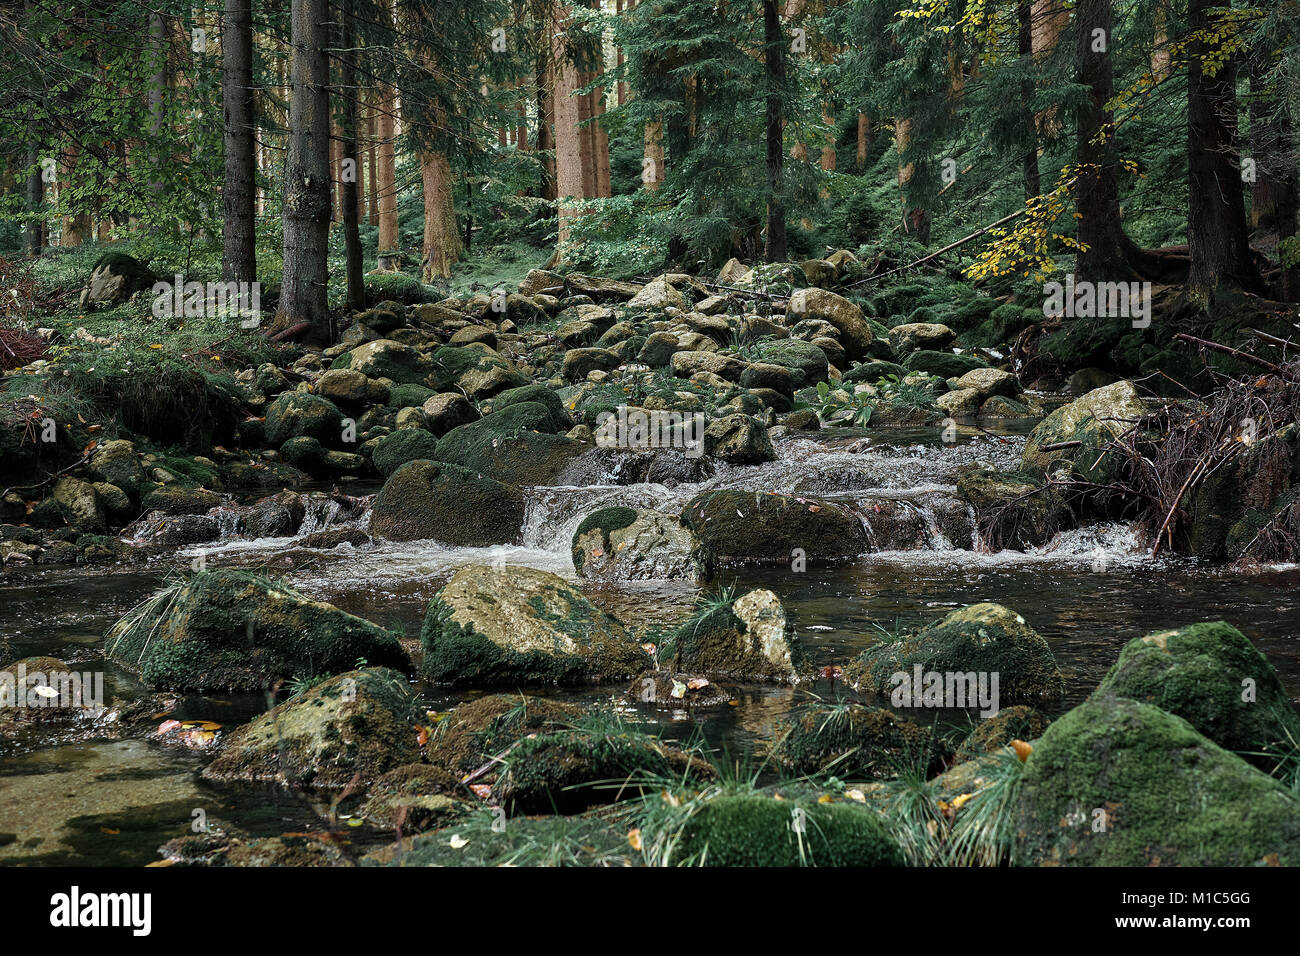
(806, 361)
(302, 414)
(774, 528)
(748, 638)
(569, 771)
(1233, 508)
(475, 732)
(114, 278)
(757, 830)
(1165, 794)
(476, 370)
(854, 742)
(1214, 678)
(1013, 510)
(633, 544)
(358, 723)
(447, 503)
(384, 358)
(232, 630)
(518, 445)
(983, 638)
(738, 440)
(855, 333)
(397, 448)
(515, 626)
(1093, 420)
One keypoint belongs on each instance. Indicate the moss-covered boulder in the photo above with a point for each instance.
(518, 445)
(1245, 505)
(467, 740)
(748, 638)
(1115, 782)
(234, 630)
(853, 742)
(766, 527)
(738, 440)
(80, 504)
(302, 414)
(1214, 678)
(986, 639)
(1013, 510)
(447, 410)
(945, 365)
(117, 463)
(634, 544)
(415, 797)
(477, 370)
(357, 724)
(759, 830)
(920, 336)
(384, 358)
(854, 332)
(559, 420)
(1093, 420)
(432, 499)
(114, 278)
(806, 361)
(513, 626)
(569, 771)
(395, 449)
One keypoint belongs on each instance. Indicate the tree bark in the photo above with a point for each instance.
(916, 219)
(572, 149)
(1109, 253)
(864, 141)
(1216, 216)
(238, 231)
(652, 167)
(33, 235)
(1025, 47)
(303, 295)
(349, 110)
(774, 60)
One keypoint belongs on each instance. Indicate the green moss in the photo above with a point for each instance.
(397, 448)
(761, 526)
(1214, 678)
(752, 830)
(432, 499)
(984, 638)
(994, 733)
(544, 841)
(235, 630)
(855, 742)
(571, 770)
(605, 519)
(1167, 796)
(517, 445)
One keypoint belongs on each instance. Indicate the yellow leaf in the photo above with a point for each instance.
(634, 839)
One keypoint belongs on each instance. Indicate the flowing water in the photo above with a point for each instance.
(94, 800)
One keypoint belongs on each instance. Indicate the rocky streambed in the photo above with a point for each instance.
(416, 610)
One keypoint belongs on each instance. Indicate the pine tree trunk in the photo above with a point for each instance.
(349, 110)
(864, 141)
(1109, 254)
(546, 131)
(441, 240)
(572, 144)
(1216, 216)
(33, 235)
(916, 219)
(1025, 47)
(307, 175)
(372, 165)
(387, 160)
(652, 167)
(238, 230)
(774, 60)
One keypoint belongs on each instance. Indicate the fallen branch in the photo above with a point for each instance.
(1229, 350)
(934, 255)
